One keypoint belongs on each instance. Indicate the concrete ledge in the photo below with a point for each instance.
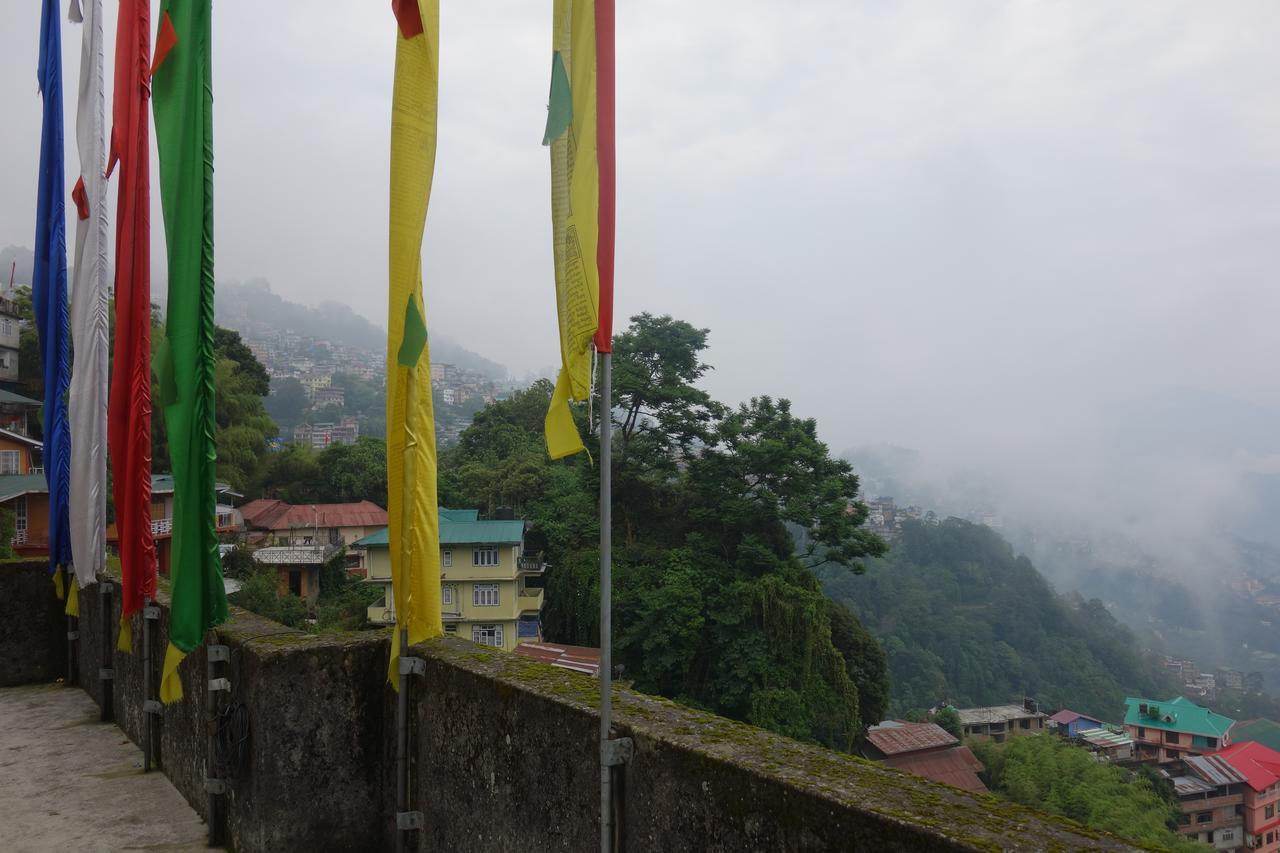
(504, 755)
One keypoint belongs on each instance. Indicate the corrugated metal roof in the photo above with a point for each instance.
(582, 659)
(956, 766)
(13, 485)
(1104, 738)
(909, 737)
(1066, 717)
(266, 514)
(1186, 786)
(1214, 769)
(10, 397)
(1257, 764)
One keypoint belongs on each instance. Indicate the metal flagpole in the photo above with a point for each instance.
(402, 744)
(606, 601)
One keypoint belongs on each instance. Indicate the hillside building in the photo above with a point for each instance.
(999, 722)
(1070, 723)
(1168, 731)
(925, 749)
(485, 595)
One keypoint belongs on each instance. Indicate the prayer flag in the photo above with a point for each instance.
(49, 288)
(580, 133)
(87, 403)
(129, 429)
(182, 92)
(412, 514)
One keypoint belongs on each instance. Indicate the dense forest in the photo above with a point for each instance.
(964, 619)
(712, 606)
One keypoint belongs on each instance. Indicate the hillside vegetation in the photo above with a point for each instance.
(964, 619)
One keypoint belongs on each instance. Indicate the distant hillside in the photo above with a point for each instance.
(255, 311)
(963, 618)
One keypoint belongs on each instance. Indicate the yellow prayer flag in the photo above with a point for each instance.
(575, 210)
(412, 513)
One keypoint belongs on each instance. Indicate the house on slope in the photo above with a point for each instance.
(485, 590)
(925, 749)
(1070, 723)
(998, 722)
(1174, 729)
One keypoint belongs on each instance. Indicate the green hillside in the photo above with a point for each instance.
(966, 620)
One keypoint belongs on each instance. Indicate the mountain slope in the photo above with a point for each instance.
(964, 619)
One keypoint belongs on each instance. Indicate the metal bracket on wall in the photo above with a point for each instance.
(219, 684)
(410, 820)
(152, 706)
(219, 653)
(215, 786)
(151, 612)
(73, 635)
(105, 674)
(617, 751)
(104, 586)
(413, 666)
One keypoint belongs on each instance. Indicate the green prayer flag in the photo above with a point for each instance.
(415, 336)
(560, 107)
(182, 96)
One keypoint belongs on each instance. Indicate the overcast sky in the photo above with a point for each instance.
(964, 227)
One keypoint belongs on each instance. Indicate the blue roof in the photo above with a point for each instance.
(460, 527)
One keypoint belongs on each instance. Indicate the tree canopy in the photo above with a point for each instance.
(712, 605)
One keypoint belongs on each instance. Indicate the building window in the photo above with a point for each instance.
(451, 628)
(484, 555)
(1271, 811)
(1025, 724)
(1271, 836)
(1227, 835)
(1142, 732)
(446, 558)
(295, 583)
(7, 326)
(484, 595)
(1204, 817)
(446, 595)
(1170, 737)
(487, 635)
(9, 460)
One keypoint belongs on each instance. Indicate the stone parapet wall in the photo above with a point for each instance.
(504, 753)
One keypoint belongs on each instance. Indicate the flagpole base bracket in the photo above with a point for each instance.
(152, 706)
(215, 786)
(151, 612)
(105, 674)
(410, 820)
(617, 751)
(73, 635)
(219, 653)
(216, 684)
(413, 666)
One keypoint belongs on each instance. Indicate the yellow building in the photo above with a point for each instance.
(484, 574)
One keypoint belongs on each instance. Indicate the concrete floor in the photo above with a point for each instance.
(69, 782)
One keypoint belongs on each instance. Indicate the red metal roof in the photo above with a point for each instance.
(269, 514)
(1066, 717)
(577, 658)
(909, 737)
(1258, 764)
(957, 767)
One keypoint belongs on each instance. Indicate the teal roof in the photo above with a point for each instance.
(460, 527)
(162, 484)
(12, 485)
(10, 397)
(1185, 716)
(1265, 732)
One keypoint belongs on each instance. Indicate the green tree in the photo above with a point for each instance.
(287, 403)
(1047, 773)
(227, 344)
(292, 474)
(948, 719)
(354, 472)
(712, 605)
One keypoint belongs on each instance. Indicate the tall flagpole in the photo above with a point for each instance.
(606, 600)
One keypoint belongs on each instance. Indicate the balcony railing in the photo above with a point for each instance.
(531, 564)
(161, 526)
(20, 537)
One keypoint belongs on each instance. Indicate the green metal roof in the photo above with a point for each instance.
(1184, 715)
(10, 397)
(460, 527)
(1265, 732)
(12, 485)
